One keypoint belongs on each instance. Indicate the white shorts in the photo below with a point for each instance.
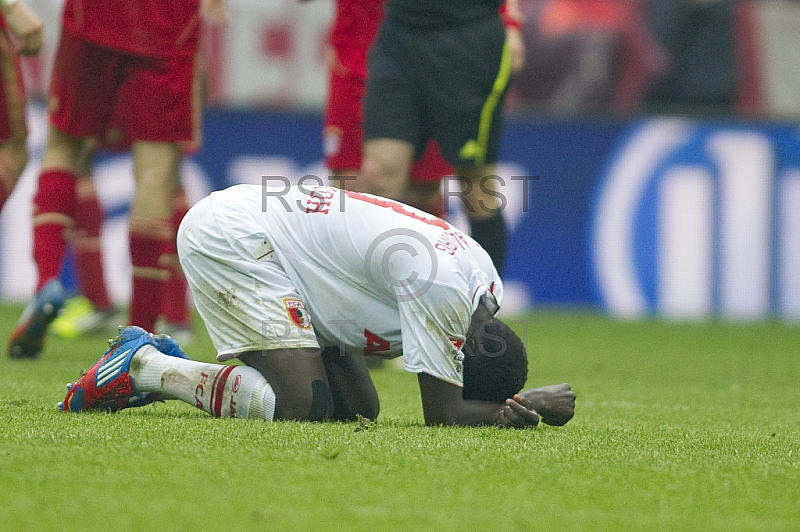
(240, 288)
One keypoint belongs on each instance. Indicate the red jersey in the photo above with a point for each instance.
(355, 27)
(142, 27)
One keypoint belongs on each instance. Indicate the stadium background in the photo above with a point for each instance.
(662, 136)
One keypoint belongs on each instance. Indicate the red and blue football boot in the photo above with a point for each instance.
(108, 385)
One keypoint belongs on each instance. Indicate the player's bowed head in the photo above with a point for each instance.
(496, 368)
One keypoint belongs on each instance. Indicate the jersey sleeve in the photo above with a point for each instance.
(433, 328)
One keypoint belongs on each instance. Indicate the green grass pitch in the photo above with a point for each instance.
(678, 426)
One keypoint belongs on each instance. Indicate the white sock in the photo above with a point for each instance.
(220, 390)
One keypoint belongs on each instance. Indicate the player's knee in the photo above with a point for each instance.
(382, 177)
(371, 407)
(368, 176)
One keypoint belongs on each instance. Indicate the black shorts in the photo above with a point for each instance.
(447, 84)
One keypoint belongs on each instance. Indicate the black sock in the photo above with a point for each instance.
(492, 235)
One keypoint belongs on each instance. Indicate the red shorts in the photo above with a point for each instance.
(118, 137)
(431, 166)
(12, 93)
(119, 97)
(342, 135)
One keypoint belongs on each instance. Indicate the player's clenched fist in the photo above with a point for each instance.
(555, 403)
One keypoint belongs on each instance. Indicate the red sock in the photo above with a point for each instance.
(173, 296)
(147, 238)
(89, 218)
(53, 211)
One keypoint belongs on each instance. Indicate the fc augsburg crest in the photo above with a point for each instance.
(297, 312)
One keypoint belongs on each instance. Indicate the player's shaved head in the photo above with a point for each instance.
(495, 363)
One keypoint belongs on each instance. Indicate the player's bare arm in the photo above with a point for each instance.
(491, 348)
(443, 404)
(25, 25)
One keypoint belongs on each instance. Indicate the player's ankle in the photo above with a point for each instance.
(147, 367)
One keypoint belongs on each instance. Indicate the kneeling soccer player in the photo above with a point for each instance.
(301, 284)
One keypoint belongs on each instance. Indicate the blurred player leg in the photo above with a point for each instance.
(92, 311)
(83, 86)
(162, 99)
(424, 190)
(89, 218)
(343, 137)
(53, 216)
(54, 204)
(486, 222)
(175, 306)
(480, 187)
(174, 303)
(150, 226)
(13, 129)
(425, 196)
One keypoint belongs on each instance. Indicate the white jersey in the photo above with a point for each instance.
(373, 276)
